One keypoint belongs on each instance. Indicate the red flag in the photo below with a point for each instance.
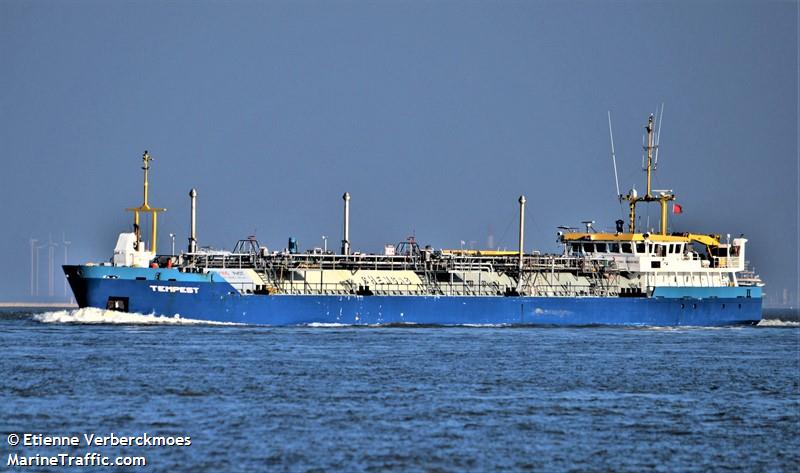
(677, 209)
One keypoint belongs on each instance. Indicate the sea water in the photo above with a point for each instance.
(339, 398)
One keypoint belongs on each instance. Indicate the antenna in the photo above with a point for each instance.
(658, 134)
(613, 155)
(644, 147)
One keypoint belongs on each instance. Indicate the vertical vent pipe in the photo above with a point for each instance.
(346, 236)
(521, 231)
(193, 222)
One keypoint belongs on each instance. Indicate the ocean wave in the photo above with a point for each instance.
(91, 315)
(778, 323)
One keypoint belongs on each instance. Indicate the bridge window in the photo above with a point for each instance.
(615, 248)
(601, 248)
(588, 247)
(627, 248)
(640, 247)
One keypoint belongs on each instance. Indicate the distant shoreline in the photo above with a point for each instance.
(60, 305)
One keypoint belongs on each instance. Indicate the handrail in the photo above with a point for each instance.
(443, 289)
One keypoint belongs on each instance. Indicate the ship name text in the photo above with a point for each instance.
(174, 289)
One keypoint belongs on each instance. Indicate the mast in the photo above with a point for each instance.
(145, 207)
(662, 198)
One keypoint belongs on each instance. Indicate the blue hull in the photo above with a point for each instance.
(198, 296)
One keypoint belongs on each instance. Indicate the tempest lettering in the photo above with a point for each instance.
(174, 289)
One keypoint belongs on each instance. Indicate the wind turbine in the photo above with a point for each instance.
(36, 265)
(66, 251)
(33, 266)
(51, 252)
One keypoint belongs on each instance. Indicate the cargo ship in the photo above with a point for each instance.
(620, 277)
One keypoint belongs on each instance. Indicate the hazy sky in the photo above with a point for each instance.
(435, 116)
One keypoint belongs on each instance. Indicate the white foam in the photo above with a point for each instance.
(688, 328)
(91, 315)
(397, 324)
(778, 323)
(484, 325)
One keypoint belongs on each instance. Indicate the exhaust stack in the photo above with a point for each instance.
(193, 223)
(346, 237)
(521, 229)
